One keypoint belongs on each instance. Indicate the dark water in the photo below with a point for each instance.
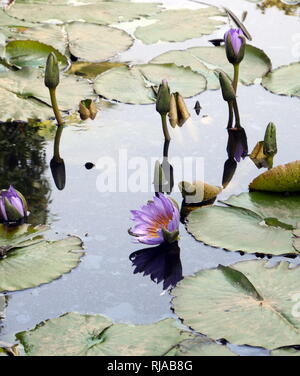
(103, 282)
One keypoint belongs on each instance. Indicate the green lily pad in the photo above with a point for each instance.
(205, 60)
(29, 53)
(103, 13)
(81, 39)
(283, 178)
(238, 229)
(73, 334)
(269, 205)
(286, 351)
(247, 303)
(32, 263)
(284, 80)
(200, 346)
(25, 96)
(179, 25)
(133, 85)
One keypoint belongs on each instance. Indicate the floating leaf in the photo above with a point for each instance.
(252, 225)
(79, 39)
(73, 334)
(36, 262)
(286, 351)
(28, 53)
(91, 70)
(133, 85)
(198, 191)
(284, 80)
(223, 303)
(25, 96)
(103, 13)
(193, 23)
(205, 59)
(200, 346)
(283, 178)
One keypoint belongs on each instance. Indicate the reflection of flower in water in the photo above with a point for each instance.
(156, 222)
(162, 263)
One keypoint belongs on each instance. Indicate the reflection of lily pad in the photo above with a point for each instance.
(103, 13)
(205, 59)
(37, 261)
(86, 41)
(133, 85)
(179, 25)
(200, 346)
(252, 224)
(283, 178)
(21, 91)
(284, 80)
(247, 303)
(74, 334)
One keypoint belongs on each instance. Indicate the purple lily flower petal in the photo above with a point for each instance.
(161, 213)
(15, 200)
(236, 41)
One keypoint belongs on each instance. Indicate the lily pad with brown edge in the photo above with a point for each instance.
(198, 191)
(103, 13)
(247, 303)
(92, 70)
(178, 25)
(74, 334)
(283, 178)
(85, 41)
(250, 227)
(284, 80)
(205, 60)
(25, 96)
(30, 260)
(135, 84)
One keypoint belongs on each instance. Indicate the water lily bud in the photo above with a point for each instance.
(13, 206)
(258, 157)
(87, 109)
(163, 98)
(52, 72)
(226, 87)
(58, 170)
(235, 44)
(270, 143)
(237, 145)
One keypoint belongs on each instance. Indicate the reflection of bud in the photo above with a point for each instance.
(229, 171)
(237, 146)
(58, 171)
(163, 98)
(235, 44)
(13, 206)
(226, 87)
(52, 72)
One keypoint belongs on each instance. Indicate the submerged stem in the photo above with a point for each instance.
(165, 127)
(57, 142)
(236, 114)
(230, 117)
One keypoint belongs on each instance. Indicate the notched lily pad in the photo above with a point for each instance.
(254, 223)
(223, 303)
(30, 261)
(205, 60)
(179, 25)
(134, 84)
(284, 80)
(73, 334)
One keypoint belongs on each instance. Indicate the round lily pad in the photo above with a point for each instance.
(73, 334)
(247, 303)
(284, 80)
(103, 13)
(133, 84)
(283, 178)
(32, 263)
(251, 224)
(205, 60)
(179, 25)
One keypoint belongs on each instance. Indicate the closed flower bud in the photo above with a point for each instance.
(13, 206)
(270, 144)
(163, 98)
(52, 72)
(235, 44)
(87, 109)
(226, 87)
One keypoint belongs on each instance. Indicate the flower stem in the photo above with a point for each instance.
(165, 127)
(236, 68)
(55, 107)
(236, 114)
